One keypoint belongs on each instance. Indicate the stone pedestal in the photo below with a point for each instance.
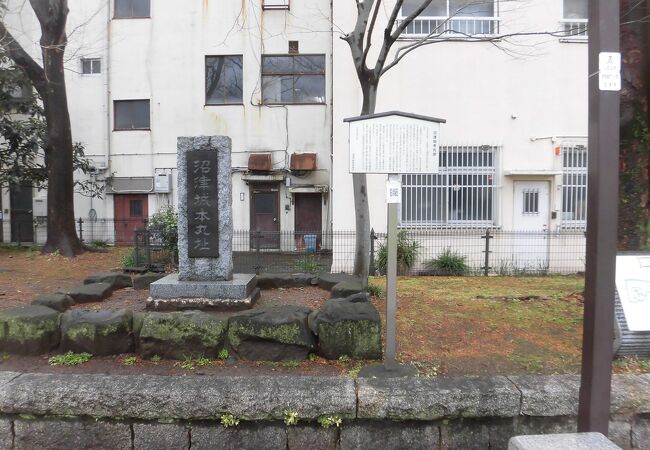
(205, 279)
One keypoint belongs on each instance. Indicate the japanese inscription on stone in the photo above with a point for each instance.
(202, 211)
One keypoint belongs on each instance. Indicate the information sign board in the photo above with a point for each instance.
(633, 286)
(394, 143)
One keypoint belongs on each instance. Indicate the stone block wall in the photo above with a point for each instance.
(157, 412)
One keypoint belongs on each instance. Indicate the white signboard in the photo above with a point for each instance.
(609, 71)
(394, 144)
(633, 286)
(393, 190)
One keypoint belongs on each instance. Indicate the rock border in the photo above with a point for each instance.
(267, 336)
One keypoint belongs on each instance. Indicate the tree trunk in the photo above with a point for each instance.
(61, 233)
(360, 185)
(635, 134)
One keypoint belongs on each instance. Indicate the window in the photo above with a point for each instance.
(462, 17)
(135, 208)
(575, 18)
(91, 66)
(461, 194)
(276, 4)
(574, 186)
(132, 115)
(132, 9)
(531, 202)
(293, 79)
(223, 80)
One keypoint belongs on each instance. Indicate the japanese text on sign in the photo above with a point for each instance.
(383, 146)
(202, 212)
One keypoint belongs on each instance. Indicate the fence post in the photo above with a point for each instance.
(258, 238)
(137, 248)
(18, 232)
(81, 229)
(147, 246)
(373, 236)
(486, 267)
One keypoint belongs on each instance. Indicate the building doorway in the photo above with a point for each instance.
(265, 216)
(22, 216)
(531, 222)
(131, 212)
(308, 218)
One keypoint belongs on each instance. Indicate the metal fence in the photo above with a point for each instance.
(483, 251)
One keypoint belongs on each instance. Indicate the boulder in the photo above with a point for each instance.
(274, 281)
(346, 288)
(58, 302)
(177, 335)
(144, 280)
(87, 293)
(29, 330)
(98, 332)
(349, 327)
(117, 280)
(278, 333)
(329, 280)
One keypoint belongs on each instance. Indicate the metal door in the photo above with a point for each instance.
(308, 217)
(22, 218)
(131, 212)
(530, 223)
(265, 218)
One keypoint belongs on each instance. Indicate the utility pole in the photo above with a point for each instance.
(602, 215)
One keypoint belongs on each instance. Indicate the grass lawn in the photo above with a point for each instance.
(481, 325)
(446, 325)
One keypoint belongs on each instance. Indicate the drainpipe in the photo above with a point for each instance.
(109, 134)
(330, 194)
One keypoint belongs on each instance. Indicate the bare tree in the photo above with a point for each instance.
(49, 82)
(360, 40)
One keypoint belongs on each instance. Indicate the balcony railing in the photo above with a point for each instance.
(445, 27)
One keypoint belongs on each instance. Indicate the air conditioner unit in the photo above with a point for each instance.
(163, 183)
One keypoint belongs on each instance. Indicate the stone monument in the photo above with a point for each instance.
(205, 279)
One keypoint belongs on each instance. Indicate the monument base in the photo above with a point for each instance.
(171, 294)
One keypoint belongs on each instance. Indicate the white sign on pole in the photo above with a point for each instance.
(393, 189)
(394, 144)
(633, 286)
(609, 71)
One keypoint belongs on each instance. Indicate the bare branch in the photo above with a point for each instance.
(22, 59)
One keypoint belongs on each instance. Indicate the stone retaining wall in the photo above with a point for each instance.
(158, 412)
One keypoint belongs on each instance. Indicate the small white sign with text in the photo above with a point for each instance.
(609, 71)
(633, 286)
(393, 190)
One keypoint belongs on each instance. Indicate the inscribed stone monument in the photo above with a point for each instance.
(205, 230)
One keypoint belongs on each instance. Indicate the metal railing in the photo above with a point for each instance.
(445, 27)
(486, 251)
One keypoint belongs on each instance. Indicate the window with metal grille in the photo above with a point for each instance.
(461, 194)
(574, 186)
(575, 19)
(448, 17)
(531, 202)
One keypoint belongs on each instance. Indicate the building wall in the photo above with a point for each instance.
(162, 58)
(526, 95)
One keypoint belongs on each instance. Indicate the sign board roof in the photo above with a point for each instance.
(394, 142)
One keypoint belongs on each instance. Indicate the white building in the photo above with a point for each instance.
(277, 79)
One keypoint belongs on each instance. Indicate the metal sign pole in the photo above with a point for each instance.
(602, 218)
(390, 359)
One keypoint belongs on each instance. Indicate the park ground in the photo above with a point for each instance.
(447, 326)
